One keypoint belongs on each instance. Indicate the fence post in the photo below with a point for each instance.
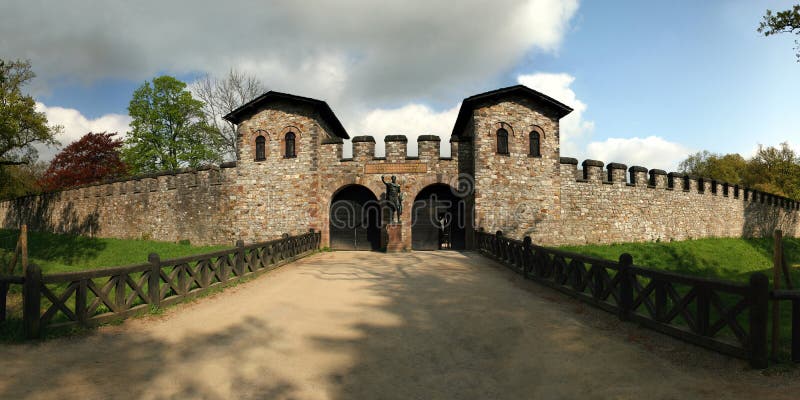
(240, 258)
(527, 256)
(759, 295)
(776, 285)
(153, 287)
(32, 301)
(796, 330)
(3, 296)
(498, 248)
(625, 287)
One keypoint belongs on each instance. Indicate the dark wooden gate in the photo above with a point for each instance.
(437, 219)
(354, 220)
(425, 232)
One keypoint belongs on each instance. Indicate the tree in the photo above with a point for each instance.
(20, 180)
(93, 158)
(21, 126)
(786, 21)
(168, 130)
(221, 96)
(774, 170)
(727, 168)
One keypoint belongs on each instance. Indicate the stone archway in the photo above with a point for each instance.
(354, 219)
(438, 219)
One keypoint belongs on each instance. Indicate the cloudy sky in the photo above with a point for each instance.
(650, 82)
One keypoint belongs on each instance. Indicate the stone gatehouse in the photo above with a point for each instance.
(505, 173)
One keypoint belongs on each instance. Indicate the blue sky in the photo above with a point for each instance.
(651, 81)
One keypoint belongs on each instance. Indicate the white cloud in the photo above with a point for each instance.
(650, 152)
(576, 132)
(573, 128)
(379, 53)
(411, 120)
(375, 63)
(75, 125)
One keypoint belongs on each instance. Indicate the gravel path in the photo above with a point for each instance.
(422, 325)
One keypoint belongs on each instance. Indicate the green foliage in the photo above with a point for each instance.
(21, 126)
(786, 21)
(168, 130)
(728, 167)
(21, 180)
(772, 169)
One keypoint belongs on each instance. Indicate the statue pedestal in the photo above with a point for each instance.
(393, 238)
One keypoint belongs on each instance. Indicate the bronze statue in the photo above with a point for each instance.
(394, 198)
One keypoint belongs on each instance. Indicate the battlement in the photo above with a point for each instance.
(638, 176)
(396, 148)
(184, 178)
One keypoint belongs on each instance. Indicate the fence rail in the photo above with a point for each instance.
(727, 317)
(86, 298)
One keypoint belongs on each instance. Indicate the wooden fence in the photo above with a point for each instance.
(727, 317)
(87, 298)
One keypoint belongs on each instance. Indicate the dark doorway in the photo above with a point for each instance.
(355, 219)
(437, 219)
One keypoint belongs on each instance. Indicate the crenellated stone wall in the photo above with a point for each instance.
(543, 195)
(189, 205)
(618, 204)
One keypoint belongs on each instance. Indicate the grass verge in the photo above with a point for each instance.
(56, 253)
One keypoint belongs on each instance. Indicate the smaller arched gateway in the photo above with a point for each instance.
(438, 219)
(355, 219)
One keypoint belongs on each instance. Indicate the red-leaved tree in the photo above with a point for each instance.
(93, 158)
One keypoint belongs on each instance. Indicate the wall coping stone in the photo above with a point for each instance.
(429, 138)
(592, 163)
(395, 138)
(614, 165)
(637, 168)
(568, 160)
(363, 139)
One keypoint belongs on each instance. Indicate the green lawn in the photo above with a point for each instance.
(63, 253)
(725, 258)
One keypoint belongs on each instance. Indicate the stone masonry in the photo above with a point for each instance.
(545, 196)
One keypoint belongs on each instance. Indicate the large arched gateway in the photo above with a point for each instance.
(355, 219)
(438, 219)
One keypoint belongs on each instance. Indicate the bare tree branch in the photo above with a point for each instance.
(221, 96)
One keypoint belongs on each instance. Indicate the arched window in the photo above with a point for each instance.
(289, 145)
(535, 144)
(502, 141)
(261, 148)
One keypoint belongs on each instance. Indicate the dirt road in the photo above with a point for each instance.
(438, 325)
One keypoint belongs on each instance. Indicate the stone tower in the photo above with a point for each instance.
(511, 137)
